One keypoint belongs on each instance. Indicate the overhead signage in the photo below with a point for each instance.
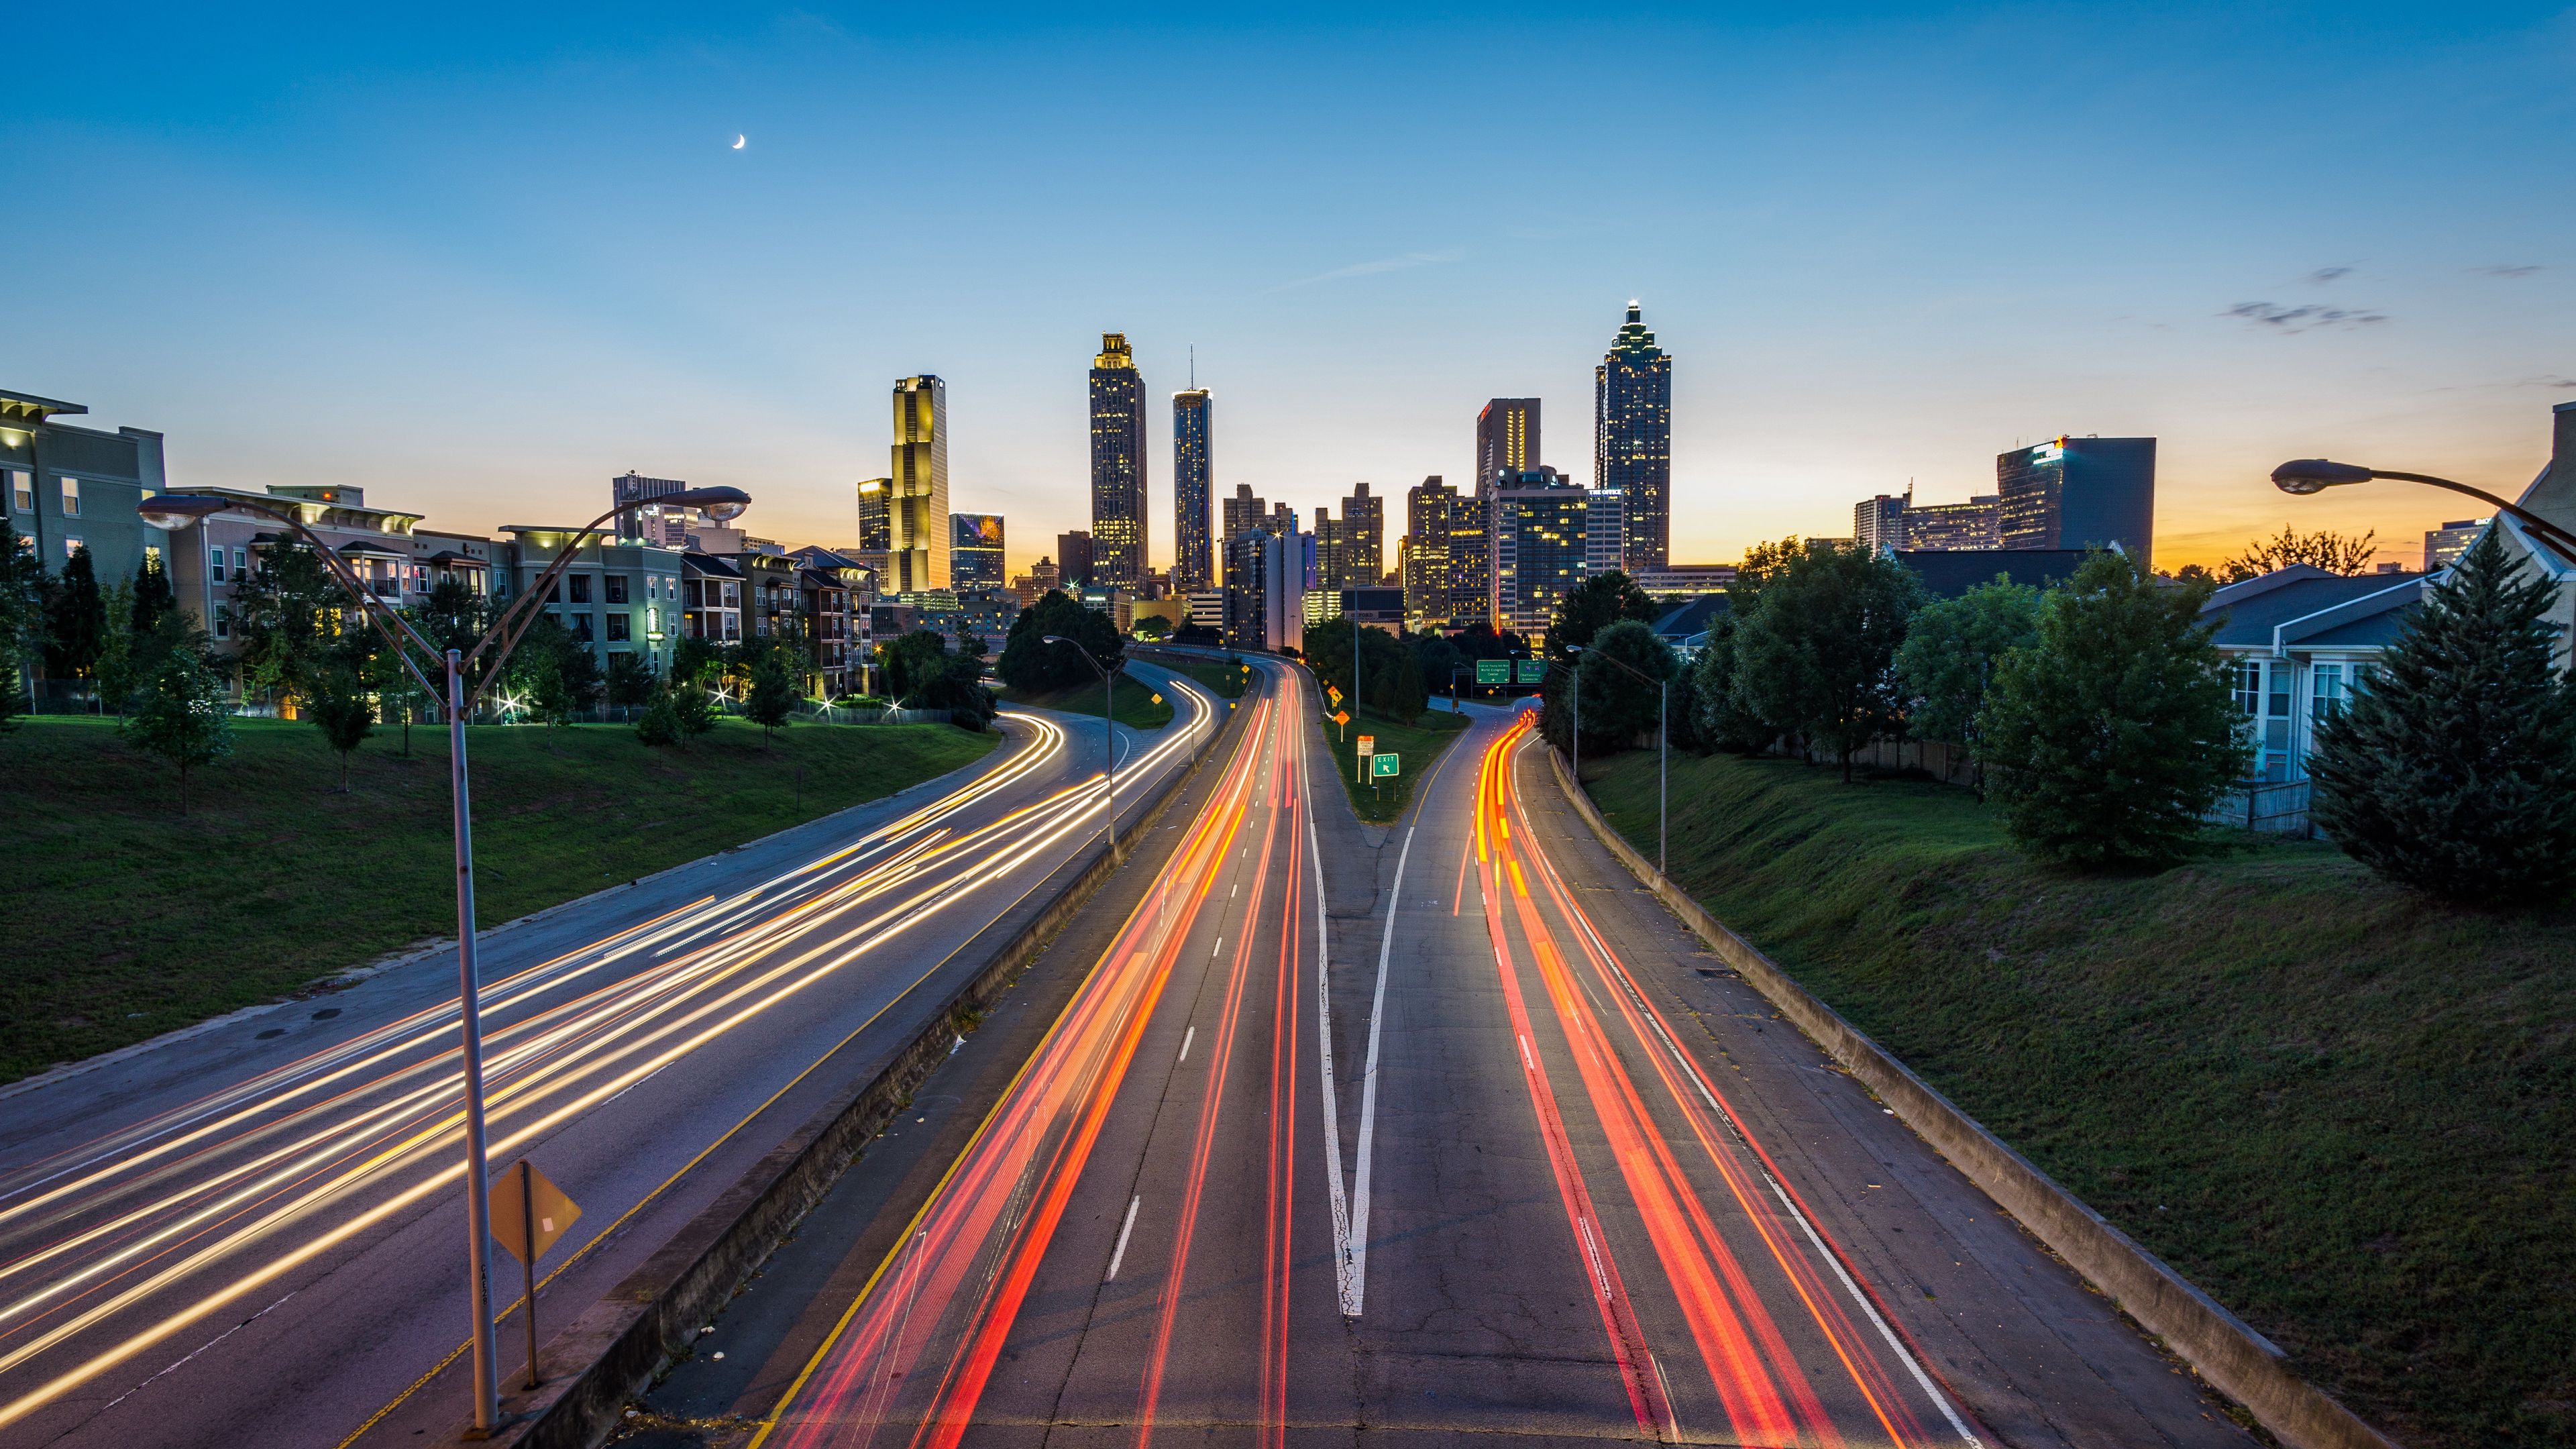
(1493, 671)
(1533, 671)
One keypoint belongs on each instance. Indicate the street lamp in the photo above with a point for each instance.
(1664, 744)
(176, 511)
(1108, 736)
(2304, 476)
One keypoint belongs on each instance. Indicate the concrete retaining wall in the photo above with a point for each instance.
(593, 1368)
(2239, 1362)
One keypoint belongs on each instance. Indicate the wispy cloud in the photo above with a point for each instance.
(1405, 262)
(2323, 275)
(2303, 319)
(2510, 271)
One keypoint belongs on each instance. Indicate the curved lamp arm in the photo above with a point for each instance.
(2550, 531)
(376, 610)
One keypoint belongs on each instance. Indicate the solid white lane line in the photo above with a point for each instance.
(1368, 1091)
(1346, 1286)
(1186, 1038)
(1120, 1254)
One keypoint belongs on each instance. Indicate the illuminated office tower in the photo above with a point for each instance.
(1471, 561)
(917, 514)
(1428, 506)
(1118, 533)
(1244, 510)
(2080, 493)
(1632, 441)
(1506, 439)
(975, 550)
(1363, 540)
(1537, 542)
(876, 521)
(1193, 492)
(1602, 520)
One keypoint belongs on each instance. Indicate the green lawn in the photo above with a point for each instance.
(123, 920)
(1225, 681)
(1417, 747)
(2347, 1112)
(1134, 703)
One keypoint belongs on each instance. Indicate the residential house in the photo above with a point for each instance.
(617, 595)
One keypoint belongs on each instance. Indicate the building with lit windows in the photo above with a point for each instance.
(917, 538)
(876, 519)
(70, 488)
(1539, 542)
(1632, 440)
(618, 595)
(1878, 524)
(1506, 438)
(378, 544)
(1193, 491)
(1428, 506)
(2074, 492)
(1471, 560)
(975, 550)
(1265, 590)
(2444, 545)
(1602, 540)
(1119, 536)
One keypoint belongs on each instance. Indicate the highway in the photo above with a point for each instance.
(255, 1233)
(1420, 1136)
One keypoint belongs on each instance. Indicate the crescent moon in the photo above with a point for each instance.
(737, 143)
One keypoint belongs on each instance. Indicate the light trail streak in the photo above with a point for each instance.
(300, 1160)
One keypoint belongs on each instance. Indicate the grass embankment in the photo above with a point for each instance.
(2347, 1112)
(123, 920)
(1416, 746)
(1225, 681)
(1132, 703)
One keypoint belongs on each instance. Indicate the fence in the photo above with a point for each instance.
(2273, 807)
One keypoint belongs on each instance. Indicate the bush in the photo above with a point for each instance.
(2454, 770)
(2111, 735)
(661, 727)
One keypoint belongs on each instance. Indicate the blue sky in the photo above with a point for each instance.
(481, 262)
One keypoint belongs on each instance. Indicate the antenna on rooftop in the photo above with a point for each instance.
(1194, 367)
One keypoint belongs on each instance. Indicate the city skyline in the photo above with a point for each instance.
(381, 208)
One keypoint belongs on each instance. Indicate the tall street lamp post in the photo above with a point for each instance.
(2304, 476)
(1108, 734)
(176, 511)
(1664, 743)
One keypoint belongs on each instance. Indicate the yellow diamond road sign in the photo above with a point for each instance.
(529, 1212)
(1342, 717)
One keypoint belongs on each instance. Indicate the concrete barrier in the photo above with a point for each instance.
(2237, 1361)
(593, 1367)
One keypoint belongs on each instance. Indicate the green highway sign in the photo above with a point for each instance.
(1533, 671)
(1382, 766)
(1493, 671)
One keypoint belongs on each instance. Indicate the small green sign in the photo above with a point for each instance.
(1493, 671)
(1382, 766)
(1533, 671)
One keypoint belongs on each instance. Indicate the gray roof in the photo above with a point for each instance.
(1685, 620)
(2307, 608)
(1948, 573)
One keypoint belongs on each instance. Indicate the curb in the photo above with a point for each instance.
(593, 1367)
(2231, 1356)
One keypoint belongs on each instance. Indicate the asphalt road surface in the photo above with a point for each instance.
(256, 1234)
(1421, 1136)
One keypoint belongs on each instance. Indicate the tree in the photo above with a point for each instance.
(630, 680)
(2193, 573)
(1438, 660)
(553, 673)
(181, 716)
(1153, 626)
(1617, 706)
(2454, 769)
(153, 596)
(286, 614)
(340, 708)
(661, 725)
(1951, 649)
(1592, 606)
(2115, 730)
(117, 670)
(1816, 656)
(75, 620)
(1720, 718)
(2336, 553)
(1030, 665)
(772, 699)
(696, 662)
(1390, 679)
(21, 622)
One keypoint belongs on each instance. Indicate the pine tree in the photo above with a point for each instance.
(2110, 735)
(119, 669)
(153, 596)
(76, 620)
(2454, 769)
(21, 622)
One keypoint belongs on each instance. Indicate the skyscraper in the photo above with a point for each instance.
(1363, 540)
(1332, 551)
(1471, 561)
(1632, 440)
(917, 514)
(1539, 537)
(1193, 491)
(1118, 532)
(1073, 555)
(1603, 545)
(876, 524)
(667, 527)
(1244, 510)
(975, 550)
(1878, 523)
(1506, 439)
(1428, 506)
(2080, 493)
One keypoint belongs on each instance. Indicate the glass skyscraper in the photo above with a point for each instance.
(1506, 439)
(2080, 493)
(917, 513)
(975, 550)
(1118, 532)
(1193, 492)
(1632, 441)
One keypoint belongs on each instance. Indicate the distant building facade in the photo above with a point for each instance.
(617, 595)
(975, 550)
(1540, 537)
(2080, 493)
(918, 544)
(668, 527)
(1603, 518)
(1428, 507)
(70, 488)
(1632, 440)
(1506, 439)
(1685, 581)
(1265, 592)
(1073, 557)
(1879, 523)
(2444, 545)
(1193, 490)
(1118, 531)
(876, 516)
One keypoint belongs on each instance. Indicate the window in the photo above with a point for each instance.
(22, 491)
(72, 546)
(618, 625)
(2278, 702)
(214, 565)
(2249, 687)
(581, 627)
(2330, 695)
(580, 588)
(616, 589)
(223, 621)
(732, 594)
(71, 498)
(241, 562)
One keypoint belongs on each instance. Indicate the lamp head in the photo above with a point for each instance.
(724, 505)
(177, 510)
(2316, 475)
(1053, 639)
